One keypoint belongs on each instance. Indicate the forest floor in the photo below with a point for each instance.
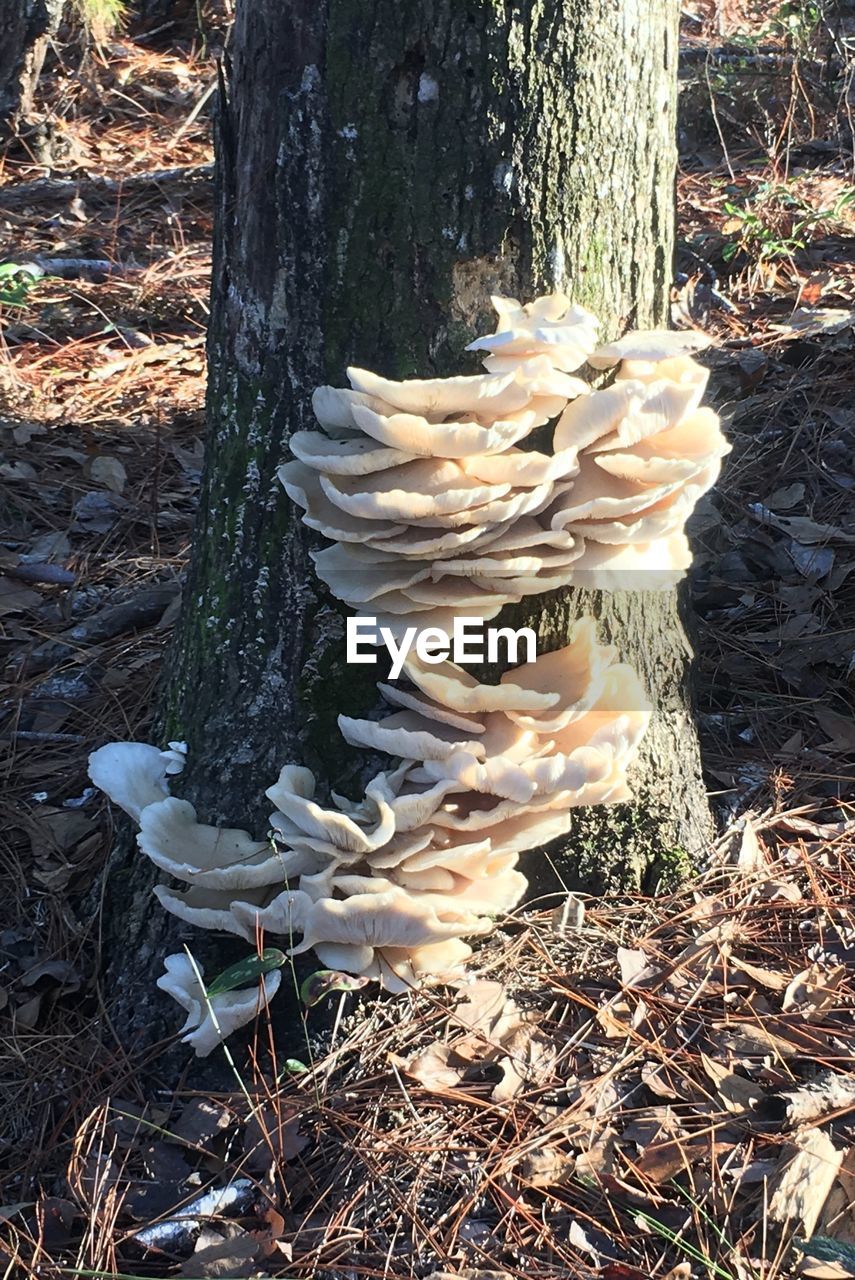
(633, 1088)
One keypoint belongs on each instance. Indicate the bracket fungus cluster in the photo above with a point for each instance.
(433, 508)
(391, 887)
(435, 511)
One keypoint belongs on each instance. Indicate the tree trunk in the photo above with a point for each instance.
(383, 168)
(26, 27)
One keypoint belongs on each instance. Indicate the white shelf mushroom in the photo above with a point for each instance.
(435, 507)
(429, 470)
(132, 774)
(550, 326)
(211, 1019)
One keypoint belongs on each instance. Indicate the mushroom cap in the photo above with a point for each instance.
(303, 487)
(461, 593)
(408, 735)
(208, 908)
(402, 846)
(436, 604)
(358, 573)
(560, 330)
(483, 393)
(529, 532)
(414, 434)
(596, 495)
(522, 468)
(354, 456)
(413, 700)
(542, 377)
(433, 619)
(649, 345)
(333, 407)
(131, 774)
(574, 673)
(413, 807)
(495, 775)
(509, 565)
(214, 857)
(210, 1019)
(682, 369)
(392, 918)
(424, 489)
(292, 795)
(456, 688)
(435, 959)
(517, 502)
(419, 541)
(617, 720)
(660, 518)
(471, 861)
(696, 438)
(590, 418)
(461, 901)
(512, 829)
(652, 566)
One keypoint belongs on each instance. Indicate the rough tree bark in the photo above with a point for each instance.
(382, 168)
(26, 27)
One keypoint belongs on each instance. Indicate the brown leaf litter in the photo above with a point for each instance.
(502, 1125)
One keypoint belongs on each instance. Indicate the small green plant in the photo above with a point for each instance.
(797, 22)
(101, 17)
(775, 222)
(17, 280)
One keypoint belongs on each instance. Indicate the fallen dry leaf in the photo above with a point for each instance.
(546, 1167)
(218, 1258)
(632, 964)
(766, 977)
(806, 1172)
(600, 1158)
(529, 1062)
(15, 598)
(469, 1273)
(431, 1068)
(813, 991)
(840, 728)
(737, 1094)
(750, 855)
(682, 1271)
(615, 1018)
(663, 1160)
(837, 1220)
(109, 472)
(829, 1092)
(569, 917)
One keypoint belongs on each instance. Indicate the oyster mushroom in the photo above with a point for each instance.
(132, 774)
(210, 1019)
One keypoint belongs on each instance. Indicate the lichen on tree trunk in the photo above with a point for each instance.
(382, 169)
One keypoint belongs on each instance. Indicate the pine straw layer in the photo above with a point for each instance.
(671, 1083)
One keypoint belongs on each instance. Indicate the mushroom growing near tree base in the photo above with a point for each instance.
(435, 507)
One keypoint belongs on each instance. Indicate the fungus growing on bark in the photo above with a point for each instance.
(390, 887)
(435, 507)
(429, 475)
(211, 1018)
